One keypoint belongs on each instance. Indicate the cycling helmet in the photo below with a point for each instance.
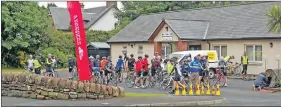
(91, 57)
(30, 56)
(139, 57)
(185, 60)
(132, 55)
(146, 55)
(49, 54)
(109, 58)
(221, 58)
(120, 56)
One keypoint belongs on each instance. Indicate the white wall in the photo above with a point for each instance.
(106, 22)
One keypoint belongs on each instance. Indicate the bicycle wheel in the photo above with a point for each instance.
(146, 82)
(166, 85)
(152, 82)
(222, 80)
(55, 73)
(129, 81)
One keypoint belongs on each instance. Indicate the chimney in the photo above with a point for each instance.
(109, 3)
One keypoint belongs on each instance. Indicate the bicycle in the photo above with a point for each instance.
(237, 70)
(205, 79)
(220, 78)
(117, 77)
(167, 84)
(98, 77)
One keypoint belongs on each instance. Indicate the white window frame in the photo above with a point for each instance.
(140, 51)
(220, 50)
(254, 51)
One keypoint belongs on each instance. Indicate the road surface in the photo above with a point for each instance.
(238, 93)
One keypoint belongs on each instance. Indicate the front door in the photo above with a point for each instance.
(194, 47)
(166, 50)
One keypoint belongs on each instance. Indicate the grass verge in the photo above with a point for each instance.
(21, 70)
(143, 95)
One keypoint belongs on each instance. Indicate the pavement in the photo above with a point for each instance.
(238, 93)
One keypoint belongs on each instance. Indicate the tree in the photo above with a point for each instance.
(23, 29)
(274, 16)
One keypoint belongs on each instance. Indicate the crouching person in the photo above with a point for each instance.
(262, 80)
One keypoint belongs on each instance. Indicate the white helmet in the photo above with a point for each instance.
(221, 58)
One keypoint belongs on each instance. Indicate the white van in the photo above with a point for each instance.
(212, 58)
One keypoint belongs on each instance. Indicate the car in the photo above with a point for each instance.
(212, 58)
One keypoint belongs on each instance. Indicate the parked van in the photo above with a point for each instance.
(212, 58)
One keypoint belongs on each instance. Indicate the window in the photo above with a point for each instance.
(221, 50)
(124, 50)
(167, 29)
(254, 52)
(140, 49)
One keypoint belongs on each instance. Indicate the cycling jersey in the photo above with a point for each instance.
(156, 62)
(131, 63)
(138, 66)
(119, 64)
(184, 68)
(71, 63)
(145, 64)
(103, 62)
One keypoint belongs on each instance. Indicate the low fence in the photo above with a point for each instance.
(34, 86)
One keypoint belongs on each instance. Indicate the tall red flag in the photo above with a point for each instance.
(77, 25)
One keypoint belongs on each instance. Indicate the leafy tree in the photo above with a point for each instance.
(23, 29)
(274, 16)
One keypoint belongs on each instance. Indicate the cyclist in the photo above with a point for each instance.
(103, 62)
(119, 66)
(71, 64)
(91, 64)
(195, 68)
(37, 65)
(131, 64)
(222, 65)
(156, 63)
(30, 63)
(107, 69)
(205, 64)
(177, 77)
(228, 58)
(184, 69)
(138, 69)
(49, 65)
(97, 64)
(145, 69)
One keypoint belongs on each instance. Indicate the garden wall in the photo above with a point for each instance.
(34, 86)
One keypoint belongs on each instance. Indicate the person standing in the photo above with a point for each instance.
(195, 68)
(131, 64)
(30, 63)
(244, 62)
(37, 65)
(108, 69)
(49, 64)
(54, 62)
(138, 69)
(119, 66)
(97, 64)
(103, 62)
(71, 64)
(145, 69)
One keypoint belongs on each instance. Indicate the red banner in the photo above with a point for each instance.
(77, 25)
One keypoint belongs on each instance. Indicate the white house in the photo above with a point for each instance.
(98, 18)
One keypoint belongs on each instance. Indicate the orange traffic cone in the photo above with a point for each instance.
(190, 90)
(218, 92)
(202, 89)
(213, 90)
(177, 90)
(208, 90)
(197, 90)
(184, 90)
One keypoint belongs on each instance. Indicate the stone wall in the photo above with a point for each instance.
(34, 86)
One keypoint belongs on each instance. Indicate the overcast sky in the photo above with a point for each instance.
(86, 4)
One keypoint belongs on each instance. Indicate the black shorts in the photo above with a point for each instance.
(37, 70)
(70, 69)
(145, 73)
(245, 67)
(185, 74)
(49, 69)
(201, 73)
(153, 71)
(137, 74)
(177, 78)
(106, 72)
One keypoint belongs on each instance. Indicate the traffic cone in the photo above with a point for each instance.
(208, 90)
(202, 89)
(213, 90)
(177, 90)
(184, 90)
(218, 92)
(197, 90)
(190, 90)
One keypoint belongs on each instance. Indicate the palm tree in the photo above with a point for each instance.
(274, 22)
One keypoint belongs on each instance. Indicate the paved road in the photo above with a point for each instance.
(238, 93)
